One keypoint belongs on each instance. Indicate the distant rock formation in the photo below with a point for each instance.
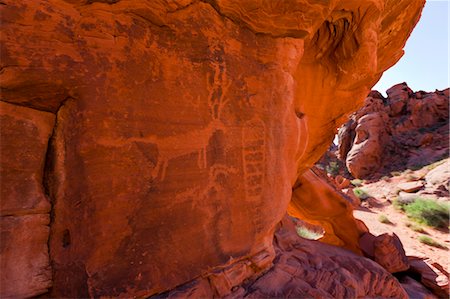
(147, 144)
(405, 130)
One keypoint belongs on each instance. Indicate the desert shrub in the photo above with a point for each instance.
(309, 234)
(332, 168)
(396, 173)
(356, 182)
(429, 241)
(415, 227)
(435, 164)
(426, 211)
(361, 193)
(384, 219)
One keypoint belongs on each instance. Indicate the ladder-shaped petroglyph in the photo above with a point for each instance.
(194, 141)
(254, 160)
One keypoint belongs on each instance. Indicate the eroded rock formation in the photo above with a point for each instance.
(306, 269)
(315, 199)
(165, 136)
(405, 130)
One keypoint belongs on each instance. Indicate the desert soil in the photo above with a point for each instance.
(383, 193)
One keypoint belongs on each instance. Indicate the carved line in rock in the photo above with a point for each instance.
(254, 160)
(196, 141)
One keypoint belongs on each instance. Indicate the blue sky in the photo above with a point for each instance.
(425, 64)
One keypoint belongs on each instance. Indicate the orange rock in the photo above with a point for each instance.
(317, 202)
(181, 126)
(342, 182)
(24, 256)
(23, 145)
(24, 206)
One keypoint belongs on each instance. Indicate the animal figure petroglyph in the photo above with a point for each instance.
(195, 141)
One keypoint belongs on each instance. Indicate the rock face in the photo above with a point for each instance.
(386, 249)
(24, 206)
(432, 275)
(315, 200)
(405, 130)
(175, 132)
(307, 269)
(389, 253)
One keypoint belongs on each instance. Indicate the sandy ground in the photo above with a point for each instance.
(383, 192)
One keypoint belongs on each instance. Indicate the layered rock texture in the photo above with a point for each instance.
(149, 144)
(405, 130)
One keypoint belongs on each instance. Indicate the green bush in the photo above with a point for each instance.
(426, 211)
(356, 182)
(361, 194)
(429, 241)
(332, 168)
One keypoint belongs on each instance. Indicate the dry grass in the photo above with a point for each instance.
(430, 242)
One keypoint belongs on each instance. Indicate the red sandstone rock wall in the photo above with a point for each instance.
(405, 130)
(165, 136)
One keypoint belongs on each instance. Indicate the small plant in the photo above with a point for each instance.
(429, 241)
(332, 168)
(308, 233)
(356, 182)
(429, 212)
(435, 164)
(361, 194)
(415, 227)
(396, 173)
(384, 219)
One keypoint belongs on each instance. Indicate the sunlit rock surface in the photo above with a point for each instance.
(405, 130)
(175, 131)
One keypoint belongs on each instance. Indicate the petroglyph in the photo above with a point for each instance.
(195, 141)
(200, 193)
(254, 160)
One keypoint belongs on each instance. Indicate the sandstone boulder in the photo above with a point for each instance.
(389, 253)
(439, 176)
(405, 130)
(410, 187)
